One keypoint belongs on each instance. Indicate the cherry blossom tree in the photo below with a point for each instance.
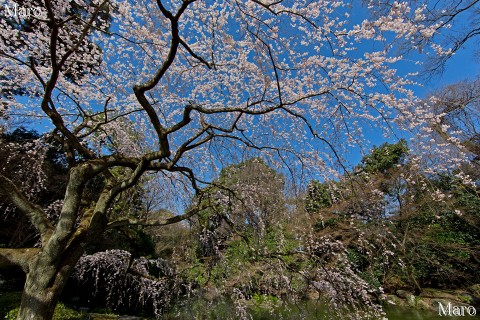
(179, 89)
(458, 106)
(19, 153)
(455, 26)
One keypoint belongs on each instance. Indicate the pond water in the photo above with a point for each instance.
(303, 310)
(402, 313)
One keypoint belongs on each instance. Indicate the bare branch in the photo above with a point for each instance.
(17, 257)
(155, 223)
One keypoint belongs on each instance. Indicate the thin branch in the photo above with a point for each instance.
(193, 54)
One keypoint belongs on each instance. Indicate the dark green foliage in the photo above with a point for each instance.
(385, 157)
(129, 238)
(21, 135)
(443, 248)
(9, 301)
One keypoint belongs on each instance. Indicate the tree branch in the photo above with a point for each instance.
(155, 223)
(17, 257)
(33, 211)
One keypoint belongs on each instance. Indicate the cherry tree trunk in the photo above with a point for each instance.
(39, 297)
(44, 283)
(37, 303)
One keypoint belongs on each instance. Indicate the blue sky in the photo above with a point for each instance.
(465, 64)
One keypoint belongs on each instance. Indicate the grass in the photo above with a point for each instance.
(10, 302)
